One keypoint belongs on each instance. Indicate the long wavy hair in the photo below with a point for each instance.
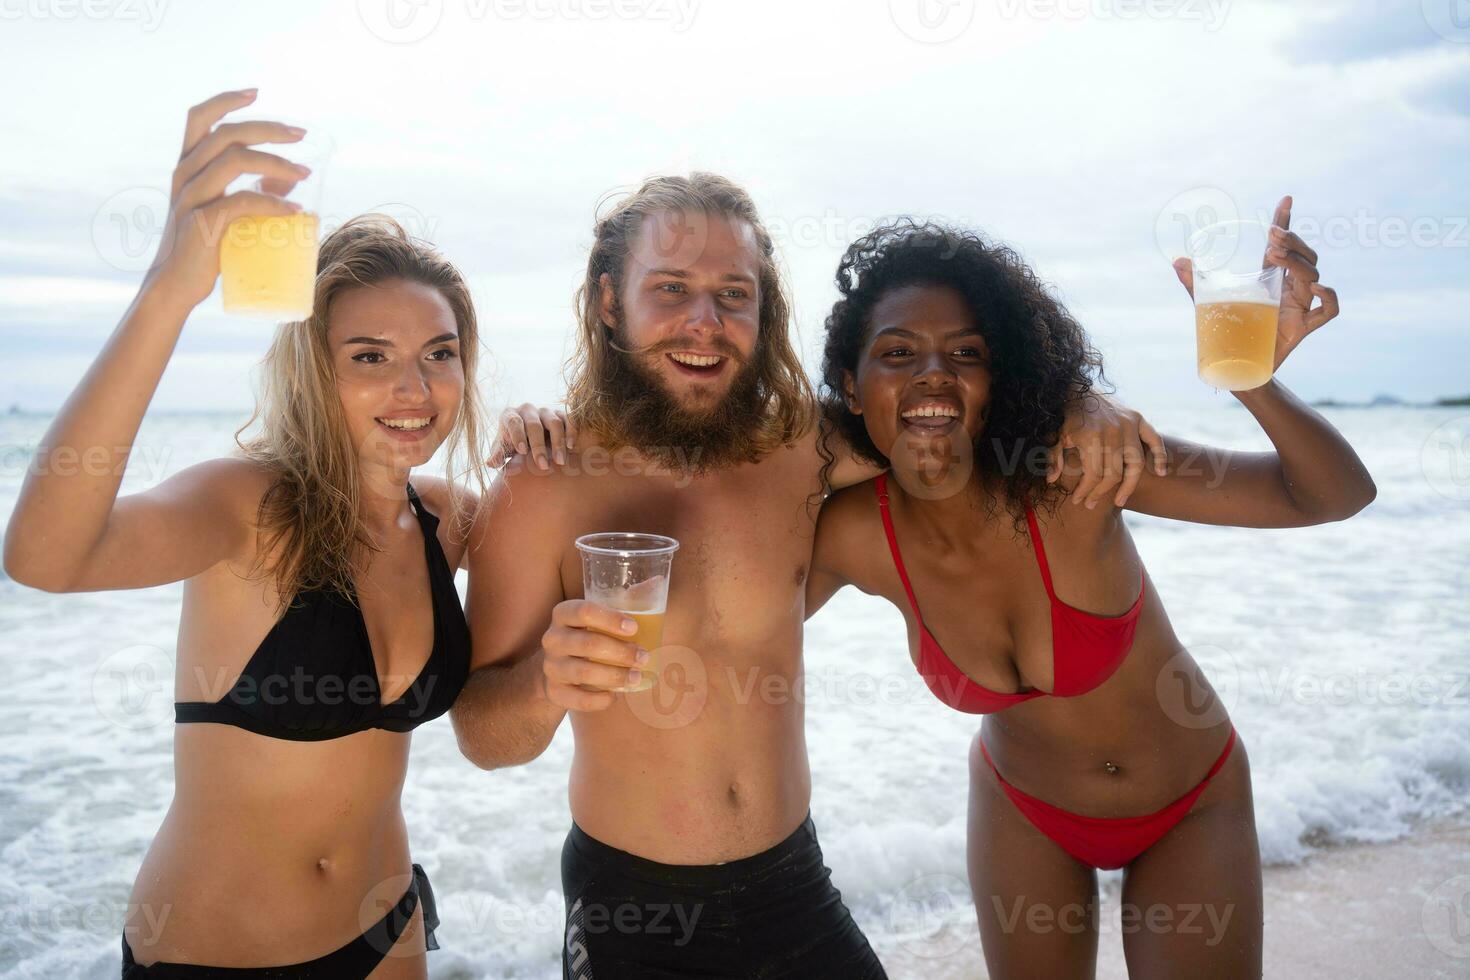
(309, 518)
(1040, 357)
(784, 392)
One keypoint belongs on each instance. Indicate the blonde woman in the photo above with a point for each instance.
(320, 622)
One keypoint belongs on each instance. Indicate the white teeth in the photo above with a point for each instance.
(405, 423)
(932, 411)
(697, 360)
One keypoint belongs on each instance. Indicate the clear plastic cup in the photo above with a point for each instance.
(268, 264)
(1237, 301)
(629, 572)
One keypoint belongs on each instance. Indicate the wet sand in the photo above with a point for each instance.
(1355, 912)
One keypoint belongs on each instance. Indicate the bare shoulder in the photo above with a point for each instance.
(850, 530)
(230, 484)
(528, 489)
(524, 502)
(450, 502)
(852, 507)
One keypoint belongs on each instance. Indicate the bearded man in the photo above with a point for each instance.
(692, 850)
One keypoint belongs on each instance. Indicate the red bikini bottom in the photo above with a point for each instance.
(1105, 842)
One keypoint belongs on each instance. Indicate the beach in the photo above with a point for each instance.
(1340, 651)
(1348, 912)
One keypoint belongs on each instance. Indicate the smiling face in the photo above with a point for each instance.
(689, 306)
(395, 351)
(923, 374)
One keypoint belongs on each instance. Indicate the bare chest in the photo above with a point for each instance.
(745, 547)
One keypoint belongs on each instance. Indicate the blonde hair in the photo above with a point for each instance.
(309, 518)
(785, 393)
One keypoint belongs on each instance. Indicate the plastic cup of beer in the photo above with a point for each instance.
(1237, 300)
(268, 263)
(629, 573)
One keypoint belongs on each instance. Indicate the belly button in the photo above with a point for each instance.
(1111, 768)
(323, 864)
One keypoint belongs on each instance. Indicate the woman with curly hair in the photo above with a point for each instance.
(948, 361)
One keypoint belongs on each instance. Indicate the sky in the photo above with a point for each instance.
(1088, 134)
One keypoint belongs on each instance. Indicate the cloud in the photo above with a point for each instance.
(1360, 30)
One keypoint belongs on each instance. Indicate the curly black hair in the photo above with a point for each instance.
(1040, 357)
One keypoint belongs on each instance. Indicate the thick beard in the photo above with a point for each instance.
(652, 421)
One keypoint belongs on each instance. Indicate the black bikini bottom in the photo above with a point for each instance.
(355, 960)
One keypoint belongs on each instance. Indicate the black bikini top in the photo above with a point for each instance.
(313, 677)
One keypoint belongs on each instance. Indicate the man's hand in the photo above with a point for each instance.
(544, 434)
(584, 665)
(1111, 440)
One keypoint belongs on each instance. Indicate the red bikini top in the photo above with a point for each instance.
(1085, 649)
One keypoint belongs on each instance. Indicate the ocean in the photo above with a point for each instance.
(1343, 654)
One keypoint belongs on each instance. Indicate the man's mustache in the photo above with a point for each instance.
(718, 345)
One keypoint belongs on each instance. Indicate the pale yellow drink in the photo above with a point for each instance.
(650, 637)
(628, 572)
(268, 266)
(1236, 343)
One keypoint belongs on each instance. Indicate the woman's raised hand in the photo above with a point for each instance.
(213, 155)
(1298, 289)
